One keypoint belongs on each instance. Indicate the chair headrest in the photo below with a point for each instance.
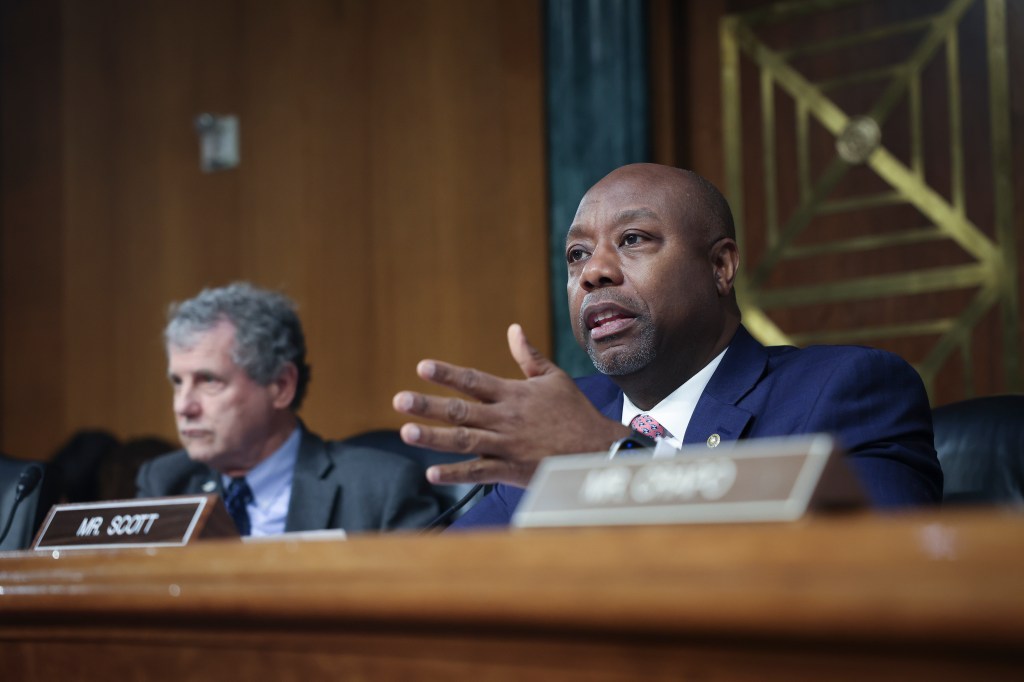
(980, 444)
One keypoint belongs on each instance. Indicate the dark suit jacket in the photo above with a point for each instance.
(335, 485)
(871, 400)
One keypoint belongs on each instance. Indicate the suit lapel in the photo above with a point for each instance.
(613, 410)
(716, 412)
(602, 394)
(314, 497)
(206, 482)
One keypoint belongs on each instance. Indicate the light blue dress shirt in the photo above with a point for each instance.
(271, 485)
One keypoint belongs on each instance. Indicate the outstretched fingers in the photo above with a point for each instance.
(451, 410)
(479, 470)
(463, 439)
(466, 380)
(482, 470)
(505, 422)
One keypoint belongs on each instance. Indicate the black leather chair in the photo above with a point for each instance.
(32, 509)
(388, 439)
(980, 443)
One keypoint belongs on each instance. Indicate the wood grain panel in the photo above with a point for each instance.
(391, 182)
(31, 272)
(847, 597)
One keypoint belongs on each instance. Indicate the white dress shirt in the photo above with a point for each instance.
(676, 409)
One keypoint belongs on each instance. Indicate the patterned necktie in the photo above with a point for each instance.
(239, 494)
(647, 425)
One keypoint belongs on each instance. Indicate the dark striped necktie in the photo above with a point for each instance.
(238, 496)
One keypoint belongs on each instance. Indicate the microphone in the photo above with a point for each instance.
(27, 482)
(448, 513)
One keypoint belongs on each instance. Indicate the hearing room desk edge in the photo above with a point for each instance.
(937, 596)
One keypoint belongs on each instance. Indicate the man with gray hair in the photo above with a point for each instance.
(237, 365)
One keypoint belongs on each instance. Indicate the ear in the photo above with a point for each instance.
(282, 388)
(725, 262)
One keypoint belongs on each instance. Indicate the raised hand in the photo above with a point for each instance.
(510, 424)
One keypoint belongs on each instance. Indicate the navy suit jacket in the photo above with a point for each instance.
(335, 485)
(871, 400)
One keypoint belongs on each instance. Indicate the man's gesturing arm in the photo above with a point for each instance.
(511, 424)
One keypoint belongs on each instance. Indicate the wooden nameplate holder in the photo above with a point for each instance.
(147, 522)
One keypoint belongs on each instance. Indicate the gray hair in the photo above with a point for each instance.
(268, 333)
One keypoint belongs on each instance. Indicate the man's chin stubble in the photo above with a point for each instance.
(625, 361)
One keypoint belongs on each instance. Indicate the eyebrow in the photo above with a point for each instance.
(628, 215)
(573, 229)
(633, 214)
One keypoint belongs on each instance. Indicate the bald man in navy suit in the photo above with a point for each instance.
(652, 260)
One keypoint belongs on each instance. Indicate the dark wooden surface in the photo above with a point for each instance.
(923, 596)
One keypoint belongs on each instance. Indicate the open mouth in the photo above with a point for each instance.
(607, 320)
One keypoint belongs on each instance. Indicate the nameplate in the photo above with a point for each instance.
(775, 479)
(147, 522)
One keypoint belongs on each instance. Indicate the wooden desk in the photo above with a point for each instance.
(906, 597)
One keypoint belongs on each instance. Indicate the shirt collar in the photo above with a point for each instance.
(271, 477)
(675, 409)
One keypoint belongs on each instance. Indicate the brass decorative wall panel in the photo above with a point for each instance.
(870, 147)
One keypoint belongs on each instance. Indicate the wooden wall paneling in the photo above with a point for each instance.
(201, 71)
(391, 181)
(197, 228)
(460, 246)
(112, 210)
(666, 85)
(507, 223)
(144, 226)
(277, 130)
(686, 86)
(32, 401)
(522, 214)
(380, 148)
(403, 163)
(318, 127)
(93, 258)
(703, 76)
